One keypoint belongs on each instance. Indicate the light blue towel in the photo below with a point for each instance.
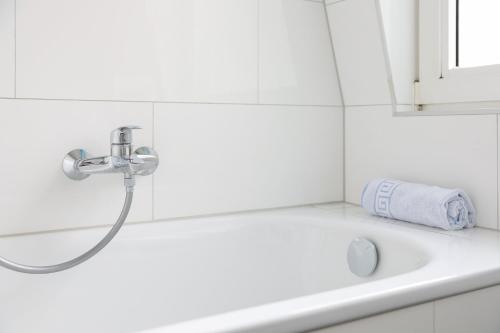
(449, 209)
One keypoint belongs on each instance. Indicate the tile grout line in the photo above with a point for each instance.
(172, 219)
(334, 2)
(258, 52)
(153, 143)
(15, 48)
(164, 102)
(434, 316)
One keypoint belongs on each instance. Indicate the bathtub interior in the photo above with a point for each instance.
(157, 274)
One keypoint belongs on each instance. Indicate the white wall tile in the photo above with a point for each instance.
(222, 158)
(297, 64)
(450, 151)
(181, 50)
(35, 195)
(356, 34)
(400, 26)
(7, 48)
(416, 319)
(471, 312)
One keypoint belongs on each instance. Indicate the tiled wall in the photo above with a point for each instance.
(239, 97)
(452, 150)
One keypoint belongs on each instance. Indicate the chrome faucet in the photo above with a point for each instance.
(78, 165)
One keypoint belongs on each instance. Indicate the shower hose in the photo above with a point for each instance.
(85, 256)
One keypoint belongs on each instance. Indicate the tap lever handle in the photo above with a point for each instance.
(123, 135)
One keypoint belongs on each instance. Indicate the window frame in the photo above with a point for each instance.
(438, 84)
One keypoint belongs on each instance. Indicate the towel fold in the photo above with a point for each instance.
(449, 209)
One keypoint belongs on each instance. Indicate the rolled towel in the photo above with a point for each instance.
(449, 209)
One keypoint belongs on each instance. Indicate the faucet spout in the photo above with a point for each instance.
(103, 164)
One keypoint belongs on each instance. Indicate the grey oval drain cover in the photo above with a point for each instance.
(362, 257)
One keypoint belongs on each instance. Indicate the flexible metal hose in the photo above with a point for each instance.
(80, 259)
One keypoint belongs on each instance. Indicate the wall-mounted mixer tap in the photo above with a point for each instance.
(77, 165)
(143, 161)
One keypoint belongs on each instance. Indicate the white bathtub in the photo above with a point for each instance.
(275, 271)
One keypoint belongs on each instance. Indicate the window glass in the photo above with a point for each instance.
(474, 34)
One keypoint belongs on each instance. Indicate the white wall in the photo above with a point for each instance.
(453, 151)
(239, 97)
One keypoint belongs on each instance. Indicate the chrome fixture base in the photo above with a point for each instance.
(70, 162)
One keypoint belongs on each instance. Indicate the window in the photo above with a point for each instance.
(459, 51)
(474, 31)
